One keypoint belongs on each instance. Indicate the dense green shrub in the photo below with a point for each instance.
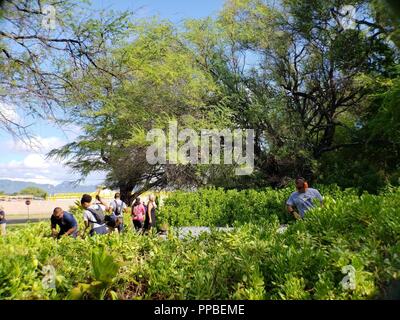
(217, 207)
(254, 261)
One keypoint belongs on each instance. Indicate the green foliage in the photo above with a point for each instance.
(104, 267)
(374, 162)
(217, 207)
(34, 191)
(76, 209)
(301, 86)
(104, 270)
(161, 82)
(316, 95)
(253, 261)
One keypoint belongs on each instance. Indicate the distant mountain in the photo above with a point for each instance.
(10, 186)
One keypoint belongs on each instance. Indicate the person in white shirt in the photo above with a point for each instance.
(93, 215)
(118, 207)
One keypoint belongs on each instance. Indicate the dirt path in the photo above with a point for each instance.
(37, 207)
(39, 210)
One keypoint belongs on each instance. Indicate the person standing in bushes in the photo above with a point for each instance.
(302, 199)
(118, 207)
(94, 215)
(138, 214)
(3, 222)
(66, 222)
(150, 219)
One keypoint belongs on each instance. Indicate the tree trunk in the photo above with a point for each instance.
(126, 193)
(326, 141)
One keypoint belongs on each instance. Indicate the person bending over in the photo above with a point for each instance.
(65, 221)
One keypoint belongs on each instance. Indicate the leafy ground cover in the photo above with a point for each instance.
(349, 249)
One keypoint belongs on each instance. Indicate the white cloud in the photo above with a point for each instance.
(36, 168)
(24, 161)
(50, 143)
(37, 144)
(35, 161)
(72, 131)
(8, 112)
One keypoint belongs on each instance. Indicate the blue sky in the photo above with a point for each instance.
(174, 10)
(19, 161)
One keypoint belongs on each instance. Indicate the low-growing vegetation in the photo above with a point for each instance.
(310, 260)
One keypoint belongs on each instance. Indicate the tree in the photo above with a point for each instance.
(39, 41)
(374, 161)
(301, 91)
(314, 90)
(160, 82)
(34, 191)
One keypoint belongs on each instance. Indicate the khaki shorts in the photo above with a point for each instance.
(3, 229)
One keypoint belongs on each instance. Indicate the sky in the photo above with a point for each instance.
(20, 161)
(173, 10)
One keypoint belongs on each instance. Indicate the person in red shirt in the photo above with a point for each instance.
(138, 214)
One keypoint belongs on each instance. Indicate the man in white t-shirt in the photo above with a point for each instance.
(118, 207)
(93, 215)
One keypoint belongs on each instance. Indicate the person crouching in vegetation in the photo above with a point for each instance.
(150, 220)
(138, 214)
(3, 222)
(66, 222)
(94, 215)
(118, 207)
(303, 199)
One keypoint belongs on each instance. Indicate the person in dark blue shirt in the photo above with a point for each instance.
(66, 222)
